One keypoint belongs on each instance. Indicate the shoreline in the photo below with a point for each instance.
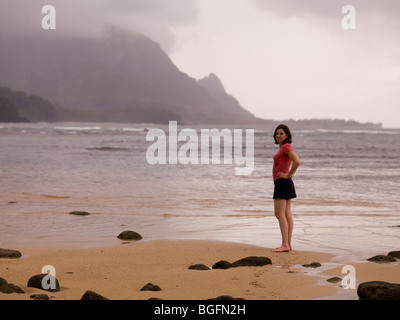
(119, 272)
(100, 230)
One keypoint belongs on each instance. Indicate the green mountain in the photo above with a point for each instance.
(17, 106)
(124, 78)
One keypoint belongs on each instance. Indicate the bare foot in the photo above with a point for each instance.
(282, 249)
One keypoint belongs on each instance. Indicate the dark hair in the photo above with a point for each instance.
(286, 129)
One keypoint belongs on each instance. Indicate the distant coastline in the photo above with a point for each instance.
(316, 123)
(19, 107)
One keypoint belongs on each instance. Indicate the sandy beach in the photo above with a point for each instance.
(119, 272)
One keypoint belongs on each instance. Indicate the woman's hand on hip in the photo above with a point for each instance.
(283, 175)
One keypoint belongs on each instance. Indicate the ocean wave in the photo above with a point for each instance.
(135, 129)
(78, 128)
(107, 149)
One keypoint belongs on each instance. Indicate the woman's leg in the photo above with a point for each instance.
(289, 219)
(280, 206)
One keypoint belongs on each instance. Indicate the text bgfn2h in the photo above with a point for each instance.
(211, 309)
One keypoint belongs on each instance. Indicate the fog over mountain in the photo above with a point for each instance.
(123, 77)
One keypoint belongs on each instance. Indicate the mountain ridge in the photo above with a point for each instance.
(126, 77)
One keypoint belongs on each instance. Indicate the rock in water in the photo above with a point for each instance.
(334, 280)
(129, 235)
(394, 254)
(378, 290)
(311, 265)
(79, 213)
(382, 259)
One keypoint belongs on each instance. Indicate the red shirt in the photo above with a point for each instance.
(282, 161)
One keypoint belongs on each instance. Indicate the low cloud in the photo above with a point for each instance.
(330, 8)
(154, 18)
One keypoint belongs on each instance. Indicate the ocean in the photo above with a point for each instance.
(347, 187)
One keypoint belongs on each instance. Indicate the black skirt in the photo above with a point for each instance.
(284, 189)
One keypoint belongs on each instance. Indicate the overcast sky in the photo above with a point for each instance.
(281, 59)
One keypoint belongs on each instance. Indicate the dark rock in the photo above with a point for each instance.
(9, 288)
(155, 298)
(378, 290)
(334, 280)
(226, 297)
(150, 287)
(40, 296)
(382, 259)
(394, 254)
(252, 262)
(3, 282)
(222, 265)
(311, 265)
(129, 235)
(7, 253)
(91, 295)
(36, 282)
(199, 267)
(80, 213)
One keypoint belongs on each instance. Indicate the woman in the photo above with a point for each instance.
(286, 163)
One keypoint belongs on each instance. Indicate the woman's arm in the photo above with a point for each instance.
(295, 164)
